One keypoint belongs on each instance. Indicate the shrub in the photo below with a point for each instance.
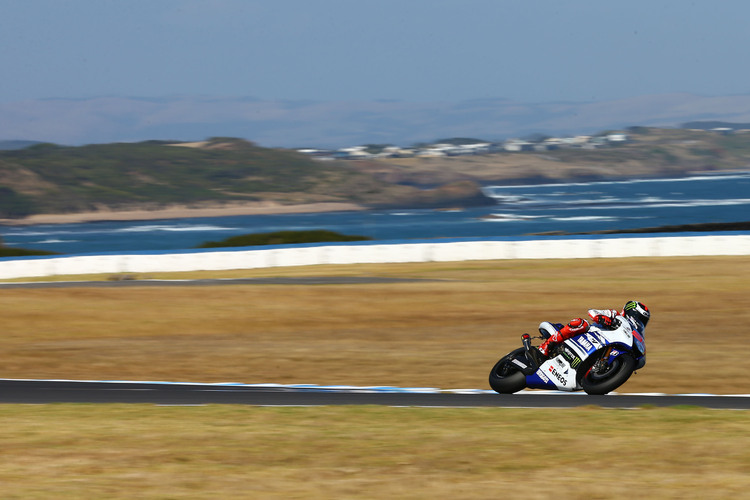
(282, 238)
(22, 252)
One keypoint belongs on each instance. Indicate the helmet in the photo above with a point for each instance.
(637, 311)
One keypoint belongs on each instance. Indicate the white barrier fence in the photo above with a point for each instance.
(365, 253)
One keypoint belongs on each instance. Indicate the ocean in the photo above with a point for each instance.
(521, 210)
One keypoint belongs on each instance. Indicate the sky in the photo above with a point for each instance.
(353, 50)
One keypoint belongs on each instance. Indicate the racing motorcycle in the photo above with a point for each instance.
(598, 361)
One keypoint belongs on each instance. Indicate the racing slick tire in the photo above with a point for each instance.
(505, 377)
(601, 378)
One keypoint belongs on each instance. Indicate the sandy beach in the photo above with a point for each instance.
(178, 212)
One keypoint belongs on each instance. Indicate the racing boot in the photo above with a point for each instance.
(542, 352)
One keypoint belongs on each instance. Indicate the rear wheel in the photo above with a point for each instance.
(505, 377)
(605, 377)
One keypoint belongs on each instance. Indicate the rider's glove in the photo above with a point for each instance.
(604, 320)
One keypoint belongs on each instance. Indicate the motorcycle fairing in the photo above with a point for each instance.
(585, 344)
(555, 374)
(638, 342)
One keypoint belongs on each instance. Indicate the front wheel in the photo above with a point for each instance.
(605, 377)
(505, 377)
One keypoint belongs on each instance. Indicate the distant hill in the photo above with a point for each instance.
(52, 179)
(6, 145)
(713, 125)
(335, 124)
(48, 178)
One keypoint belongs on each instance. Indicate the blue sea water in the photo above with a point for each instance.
(521, 210)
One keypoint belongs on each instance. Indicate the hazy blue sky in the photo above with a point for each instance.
(410, 50)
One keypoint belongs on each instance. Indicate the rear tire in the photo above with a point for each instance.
(505, 377)
(598, 381)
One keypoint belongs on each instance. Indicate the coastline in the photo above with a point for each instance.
(181, 212)
(275, 208)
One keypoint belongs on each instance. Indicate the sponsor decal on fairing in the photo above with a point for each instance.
(558, 376)
(584, 343)
(570, 356)
(594, 341)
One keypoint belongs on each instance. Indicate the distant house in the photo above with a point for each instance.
(617, 138)
(552, 143)
(549, 144)
(476, 148)
(580, 140)
(459, 148)
(516, 145)
(352, 153)
(317, 153)
(723, 130)
(431, 153)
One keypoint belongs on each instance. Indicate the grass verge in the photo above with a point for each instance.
(121, 451)
(445, 333)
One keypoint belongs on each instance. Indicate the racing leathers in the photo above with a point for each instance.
(557, 332)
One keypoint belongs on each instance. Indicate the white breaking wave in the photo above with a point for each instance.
(23, 232)
(585, 218)
(505, 217)
(676, 204)
(170, 228)
(54, 233)
(716, 177)
(52, 240)
(608, 200)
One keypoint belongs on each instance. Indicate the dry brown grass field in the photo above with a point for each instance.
(443, 333)
(234, 452)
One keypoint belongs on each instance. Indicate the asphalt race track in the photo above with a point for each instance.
(54, 391)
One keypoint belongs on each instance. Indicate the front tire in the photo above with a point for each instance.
(602, 378)
(505, 377)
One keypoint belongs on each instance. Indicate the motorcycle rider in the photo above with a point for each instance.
(634, 312)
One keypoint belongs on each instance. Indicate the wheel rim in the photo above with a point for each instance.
(602, 370)
(505, 369)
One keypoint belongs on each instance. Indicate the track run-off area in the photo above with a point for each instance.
(170, 393)
(28, 391)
